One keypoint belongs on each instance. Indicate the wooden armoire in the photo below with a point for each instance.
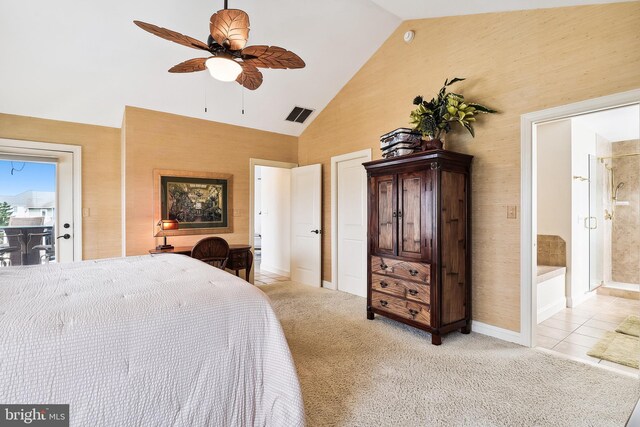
(419, 241)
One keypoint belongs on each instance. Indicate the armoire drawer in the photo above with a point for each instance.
(403, 269)
(401, 288)
(401, 307)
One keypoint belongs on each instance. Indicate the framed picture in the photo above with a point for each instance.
(201, 202)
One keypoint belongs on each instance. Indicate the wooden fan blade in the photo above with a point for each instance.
(250, 77)
(172, 36)
(271, 57)
(190, 66)
(230, 28)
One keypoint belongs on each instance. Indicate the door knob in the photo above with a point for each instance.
(315, 231)
(64, 236)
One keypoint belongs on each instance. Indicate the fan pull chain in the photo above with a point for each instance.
(205, 97)
(243, 77)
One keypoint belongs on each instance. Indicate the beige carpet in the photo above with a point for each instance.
(630, 326)
(356, 372)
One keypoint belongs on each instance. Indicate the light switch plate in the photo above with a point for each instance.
(86, 212)
(237, 212)
(512, 212)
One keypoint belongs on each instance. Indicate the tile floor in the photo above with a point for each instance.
(261, 277)
(573, 331)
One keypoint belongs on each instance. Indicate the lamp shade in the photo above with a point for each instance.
(223, 69)
(168, 224)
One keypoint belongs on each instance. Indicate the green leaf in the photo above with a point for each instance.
(482, 108)
(454, 80)
(470, 129)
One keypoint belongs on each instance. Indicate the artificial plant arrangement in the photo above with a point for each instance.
(435, 118)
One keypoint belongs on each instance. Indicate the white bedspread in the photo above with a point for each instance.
(145, 341)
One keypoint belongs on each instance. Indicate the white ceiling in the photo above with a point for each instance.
(83, 61)
(617, 124)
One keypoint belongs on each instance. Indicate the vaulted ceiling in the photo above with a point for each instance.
(83, 61)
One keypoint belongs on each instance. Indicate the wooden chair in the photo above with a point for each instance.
(19, 220)
(212, 250)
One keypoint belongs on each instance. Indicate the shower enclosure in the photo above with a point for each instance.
(614, 217)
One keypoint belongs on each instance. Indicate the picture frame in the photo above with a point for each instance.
(202, 202)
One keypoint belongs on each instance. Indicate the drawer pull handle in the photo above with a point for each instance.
(384, 266)
(413, 272)
(413, 312)
(413, 292)
(383, 303)
(383, 284)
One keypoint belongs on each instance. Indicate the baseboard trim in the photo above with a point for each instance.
(271, 269)
(574, 302)
(496, 332)
(328, 285)
(550, 309)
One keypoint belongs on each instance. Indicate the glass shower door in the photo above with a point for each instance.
(595, 222)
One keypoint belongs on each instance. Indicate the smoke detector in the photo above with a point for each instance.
(409, 35)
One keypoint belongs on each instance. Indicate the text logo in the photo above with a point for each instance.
(34, 415)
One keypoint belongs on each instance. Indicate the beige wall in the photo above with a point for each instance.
(625, 259)
(554, 183)
(516, 62)
(155, 140)
(100, 174)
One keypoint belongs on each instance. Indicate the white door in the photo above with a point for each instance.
(65, 229)
(66, 223)
(352, 227)
(306, 188)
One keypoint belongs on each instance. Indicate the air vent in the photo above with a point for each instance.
(299, 114)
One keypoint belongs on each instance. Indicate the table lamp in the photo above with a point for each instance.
(167, 224)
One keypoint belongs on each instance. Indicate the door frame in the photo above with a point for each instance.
(528, 196)
(365, 154)
(252, 177)
(50, 150)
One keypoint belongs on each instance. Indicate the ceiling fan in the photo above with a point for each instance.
(230, 58)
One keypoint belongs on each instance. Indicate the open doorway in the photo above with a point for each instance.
(286, 207)
(272, 219)
(585, 230)
(39, 203)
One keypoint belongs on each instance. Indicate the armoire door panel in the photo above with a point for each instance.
(412, 212)
(385, 227)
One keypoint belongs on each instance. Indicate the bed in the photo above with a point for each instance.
(150, 340)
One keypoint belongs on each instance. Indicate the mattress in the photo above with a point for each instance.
(153, 340)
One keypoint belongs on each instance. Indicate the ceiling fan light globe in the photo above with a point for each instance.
(223, 69)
